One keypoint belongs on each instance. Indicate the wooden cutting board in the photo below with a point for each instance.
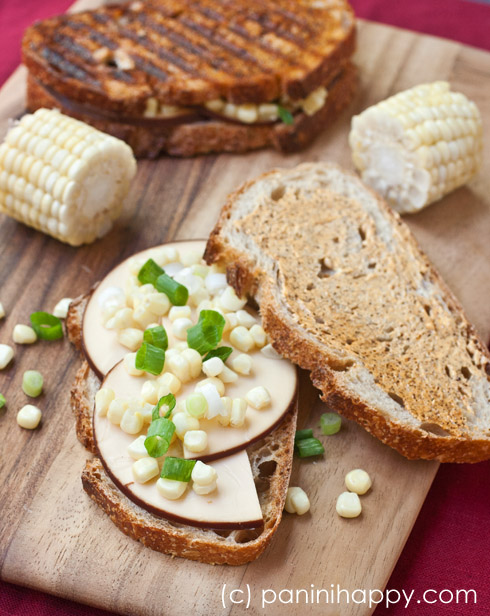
(53, 538)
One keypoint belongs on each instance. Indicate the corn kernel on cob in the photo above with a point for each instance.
(63, 177)
(418, 145)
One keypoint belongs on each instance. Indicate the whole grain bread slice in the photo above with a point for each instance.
(346, 293)
(270, 460)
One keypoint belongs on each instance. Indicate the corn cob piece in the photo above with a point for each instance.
(64, 177)
(417, 146)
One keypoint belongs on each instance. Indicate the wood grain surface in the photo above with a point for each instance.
(53, 538)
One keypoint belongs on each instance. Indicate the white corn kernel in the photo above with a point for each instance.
(131, 338)
(228, 376)
(238, 412)
(358, 481)
(168, 384)
(149, 392)
(230, 301)
(179, 312)
(179, 366)
(2, 311)
(122, 319)
(297, 501)
(241, 339)
(194, 361)
(198, 296)
(246, 319)
(145, 469)
(224, 416)
(180, 327)
(29, 417)
(131, 422)
(158, 304)
(116, 410)
(258, 397)
(259, 336)
(143, 316)
(270, 352)
(23, 334)
(137, 449)
(213, 366)
(102, 400)
(231, 321)
(195, 440)
(61, 308)
(183, 423)
(190, 257)
(247, 113)
(218, 384)
(203, 474)
(203, 490)
(215, 283)
(131, 369)
(146, 411)
(242, 364)
(348, 505)
(6, 355)
(170, 488)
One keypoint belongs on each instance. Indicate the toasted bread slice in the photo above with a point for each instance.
(270, 459)
(187, 52)
(346, 293)
(150, 138)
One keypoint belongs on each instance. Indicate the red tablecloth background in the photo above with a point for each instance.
(449, 547)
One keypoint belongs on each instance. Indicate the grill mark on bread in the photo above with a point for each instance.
(60, 63)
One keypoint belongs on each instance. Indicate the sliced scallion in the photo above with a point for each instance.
(3, 402)
(285, 115)
(330, 423)
(46, 326)
(157, 336)
(222, 352)
(301, 434)
(32, 383)
(159, 435)
(176, 292)
(307, 447)
(206, 334)
(196, 405)
(168, 403)
(150, 359)
(177, 469)
(149, 273)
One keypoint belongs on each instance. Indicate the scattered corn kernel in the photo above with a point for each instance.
(194, 361)
(183, 423)
(215, 283)
(270, 352)
(137, 449)
(129, 364)
(230, 301)
(203, 474)
(179, 366)
(149, 392)
(238, 412)
(225, 414)
(131, 421)
(213, 366)
(145, 469)
(29, 417)
(242, 364)
(168, 383)
(246, 319)
(122, 319)
(61, 308)
(297, 501)
(158, 304)
(241, 339)
(6, 355)
(102, 400)
(358, 481)
(179, 312)
(203, 490)
(213, 380)
(228, 376)
(195, 440)
(180, 327)
(23, 334)
(170, 488)
(348, 505)
(116, 410)
(131, 338)
(258, 397)
(259, 336)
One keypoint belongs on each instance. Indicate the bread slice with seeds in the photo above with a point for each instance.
(346, 293)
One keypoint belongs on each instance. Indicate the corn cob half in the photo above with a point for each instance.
(416, 146)
(64, 177)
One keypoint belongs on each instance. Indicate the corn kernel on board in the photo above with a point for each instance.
(55, 539)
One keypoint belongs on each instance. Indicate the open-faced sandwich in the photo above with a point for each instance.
(189, 77)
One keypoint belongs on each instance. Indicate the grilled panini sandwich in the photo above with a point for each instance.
(188, 77)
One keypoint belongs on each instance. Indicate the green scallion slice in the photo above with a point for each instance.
(157, 336)
(222, 352)
(149, 273)
(301, 434)
(307, 447)
(46, 326)
(176, 292)
(206, 334)
(177, 469)
(159, 436)
(330, 423)
(3, 402)
(150, 359)
(285, 115)
(32, 383)
(167, 401)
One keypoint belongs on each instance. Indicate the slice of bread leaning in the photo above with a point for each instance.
(270, 459)
(346, 293)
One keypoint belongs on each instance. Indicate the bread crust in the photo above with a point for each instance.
(246, 278)
(213, 135)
